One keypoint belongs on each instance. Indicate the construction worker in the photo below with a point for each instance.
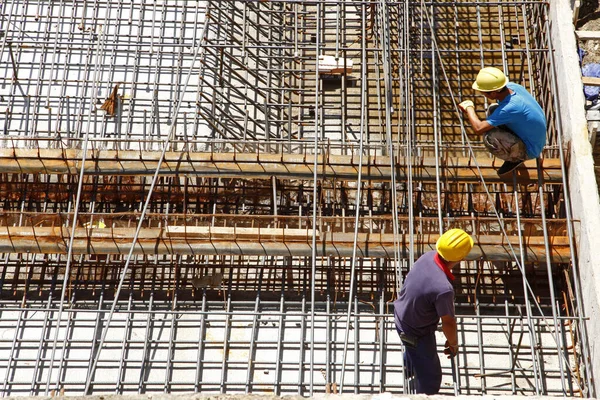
(515, 128)
(426, 297)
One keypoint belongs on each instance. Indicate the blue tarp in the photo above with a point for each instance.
(593, 70)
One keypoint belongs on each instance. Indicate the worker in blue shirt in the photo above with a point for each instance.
(427, 296)
(515, 129)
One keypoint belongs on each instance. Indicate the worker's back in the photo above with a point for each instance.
(427, 294)
(522, 115)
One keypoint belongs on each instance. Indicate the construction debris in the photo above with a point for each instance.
(331, 65)
(209, 281)
(113, 102)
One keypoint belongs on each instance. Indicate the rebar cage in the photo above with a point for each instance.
(224, 197)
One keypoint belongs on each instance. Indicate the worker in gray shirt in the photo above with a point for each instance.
(426, 297)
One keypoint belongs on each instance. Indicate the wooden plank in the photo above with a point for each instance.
(588, 35)
(53, 240)
(196, 232)
(590, 81)
(263, 166)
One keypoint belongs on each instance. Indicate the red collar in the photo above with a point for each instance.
(443, 267)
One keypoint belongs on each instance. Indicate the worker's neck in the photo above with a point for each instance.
(504, 94)
(449, 264)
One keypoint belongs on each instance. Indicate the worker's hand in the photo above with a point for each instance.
(450, 350)
(466, 104)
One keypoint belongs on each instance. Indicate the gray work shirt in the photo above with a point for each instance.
(427, 295)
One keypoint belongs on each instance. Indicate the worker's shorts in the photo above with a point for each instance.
(505, 145)
(421, 362)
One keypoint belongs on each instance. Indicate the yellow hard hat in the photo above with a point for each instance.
(454, 245)
(490, 79)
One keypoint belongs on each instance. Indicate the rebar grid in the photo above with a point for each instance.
(259, 108)
(158, 349)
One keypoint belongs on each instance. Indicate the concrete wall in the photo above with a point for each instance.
(583, 188)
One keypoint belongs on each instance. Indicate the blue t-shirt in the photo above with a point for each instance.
(523, 115)
(427, 295)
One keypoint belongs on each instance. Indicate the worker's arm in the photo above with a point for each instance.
(450, 331)
(478, 125)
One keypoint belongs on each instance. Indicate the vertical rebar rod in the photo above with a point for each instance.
(408, 381)
(45, 36)
(267, 101)
(480, 343)
(254, 330)
(54, 56)
(502, 38)
(169, 368)
(11, 357)
(455, 375)
(149, 332)
(124, 345)
(280, 335)
(512, 356)
(557, 336)
(357, 216)
(43, 333)
(381, 324)
(437, 139)
(410, 132)
(15, 67)
(226, 336)
(201, 341)
(345, 81)
(69, 328)
(356, 323)
(8, 20)
(338, 22)
(135, 77)
(315, 202)
(329, 349)
(481, 47)
(532, 340)
(245, 57)
(465, 150)
(301, 345)
(393, 183)
(377, 67)
(97, 331)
